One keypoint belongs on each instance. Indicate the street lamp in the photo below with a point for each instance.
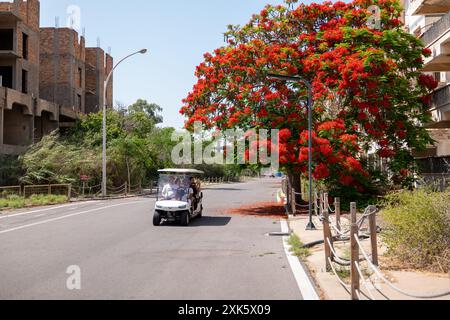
(298, 79)
(105, 88)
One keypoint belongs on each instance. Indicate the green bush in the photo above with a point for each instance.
(417, 230)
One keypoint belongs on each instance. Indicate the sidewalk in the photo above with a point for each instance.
(331, 289)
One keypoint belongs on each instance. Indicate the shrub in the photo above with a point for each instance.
(417, 231)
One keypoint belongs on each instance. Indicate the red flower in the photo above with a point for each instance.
(428, 81)
(427, 52)
(285, 135)
(346, 180)
(404, 172)
(326, 150)
(321, 172)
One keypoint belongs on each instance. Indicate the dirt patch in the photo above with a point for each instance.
(261, 209)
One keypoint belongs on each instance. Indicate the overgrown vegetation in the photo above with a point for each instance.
(136, 149)
(10, 170)
(297, 247)
(16, 202)
(417, 229)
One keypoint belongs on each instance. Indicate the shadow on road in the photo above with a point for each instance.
(203, 222)
(211, 222)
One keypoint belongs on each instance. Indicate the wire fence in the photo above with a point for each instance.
(86, 191)
(9, 191)
(361, 286)
(28, 191)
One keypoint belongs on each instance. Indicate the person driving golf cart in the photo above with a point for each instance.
(170, 189)
(179, 196)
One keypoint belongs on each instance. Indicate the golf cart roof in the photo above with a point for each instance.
(181, 171)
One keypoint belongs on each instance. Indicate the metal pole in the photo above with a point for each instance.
(310, 225)
(105, 88)
(104, 143)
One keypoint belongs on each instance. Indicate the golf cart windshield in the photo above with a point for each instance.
(173, 187)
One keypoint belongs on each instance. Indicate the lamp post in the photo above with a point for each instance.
(298, 79)
(105, 88)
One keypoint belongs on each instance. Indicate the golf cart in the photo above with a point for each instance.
(179, 196)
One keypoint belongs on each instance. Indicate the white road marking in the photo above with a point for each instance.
(304, 283)
(36, 211)
(67, 216)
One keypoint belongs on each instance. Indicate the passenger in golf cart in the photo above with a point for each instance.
(179, 196)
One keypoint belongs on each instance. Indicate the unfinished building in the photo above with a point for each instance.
(48, 78)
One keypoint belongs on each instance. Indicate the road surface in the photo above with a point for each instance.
(121, 255)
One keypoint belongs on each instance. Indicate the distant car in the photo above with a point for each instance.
(179, 198)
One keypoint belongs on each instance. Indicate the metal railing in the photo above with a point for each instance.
(438, 29)
(8, 191)
(30, 190)
(441, 97)
(51, 189)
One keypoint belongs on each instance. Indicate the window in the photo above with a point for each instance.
(24, 81)
(6, 39)
(25, 46)
(6, 74)
(79, 102)
(80, 77)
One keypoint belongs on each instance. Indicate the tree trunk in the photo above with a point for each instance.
(295, 183)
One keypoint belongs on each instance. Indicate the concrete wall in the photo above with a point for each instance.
(98, 66)
(44, 125)
(18, 127)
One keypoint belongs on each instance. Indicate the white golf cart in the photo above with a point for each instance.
(179, 196)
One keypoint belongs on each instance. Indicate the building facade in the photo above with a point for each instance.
(47, 77)
(430, 21)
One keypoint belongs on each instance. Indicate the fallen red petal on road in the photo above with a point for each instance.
(271, 210)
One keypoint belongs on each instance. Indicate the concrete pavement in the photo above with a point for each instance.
(122, 256)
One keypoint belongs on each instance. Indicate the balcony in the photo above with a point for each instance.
(440, 108)
(424, 7)
(9, 12)
(438, 30)
(437, 38)
(441, 98)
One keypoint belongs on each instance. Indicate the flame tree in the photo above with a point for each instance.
(369, 92)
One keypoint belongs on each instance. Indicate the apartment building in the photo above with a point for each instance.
(48, 77)
(430, 21)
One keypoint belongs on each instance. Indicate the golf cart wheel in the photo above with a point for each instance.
(185, 218)
(157, 219)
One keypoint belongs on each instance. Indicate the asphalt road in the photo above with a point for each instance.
(121, 255)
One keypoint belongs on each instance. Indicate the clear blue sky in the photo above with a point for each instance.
(176, 32)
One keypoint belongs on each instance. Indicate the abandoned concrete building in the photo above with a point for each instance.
(48, 77)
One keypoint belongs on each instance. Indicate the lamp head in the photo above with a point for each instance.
(143, 51)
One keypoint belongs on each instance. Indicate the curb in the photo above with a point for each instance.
(309, 290)
(320, 293)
